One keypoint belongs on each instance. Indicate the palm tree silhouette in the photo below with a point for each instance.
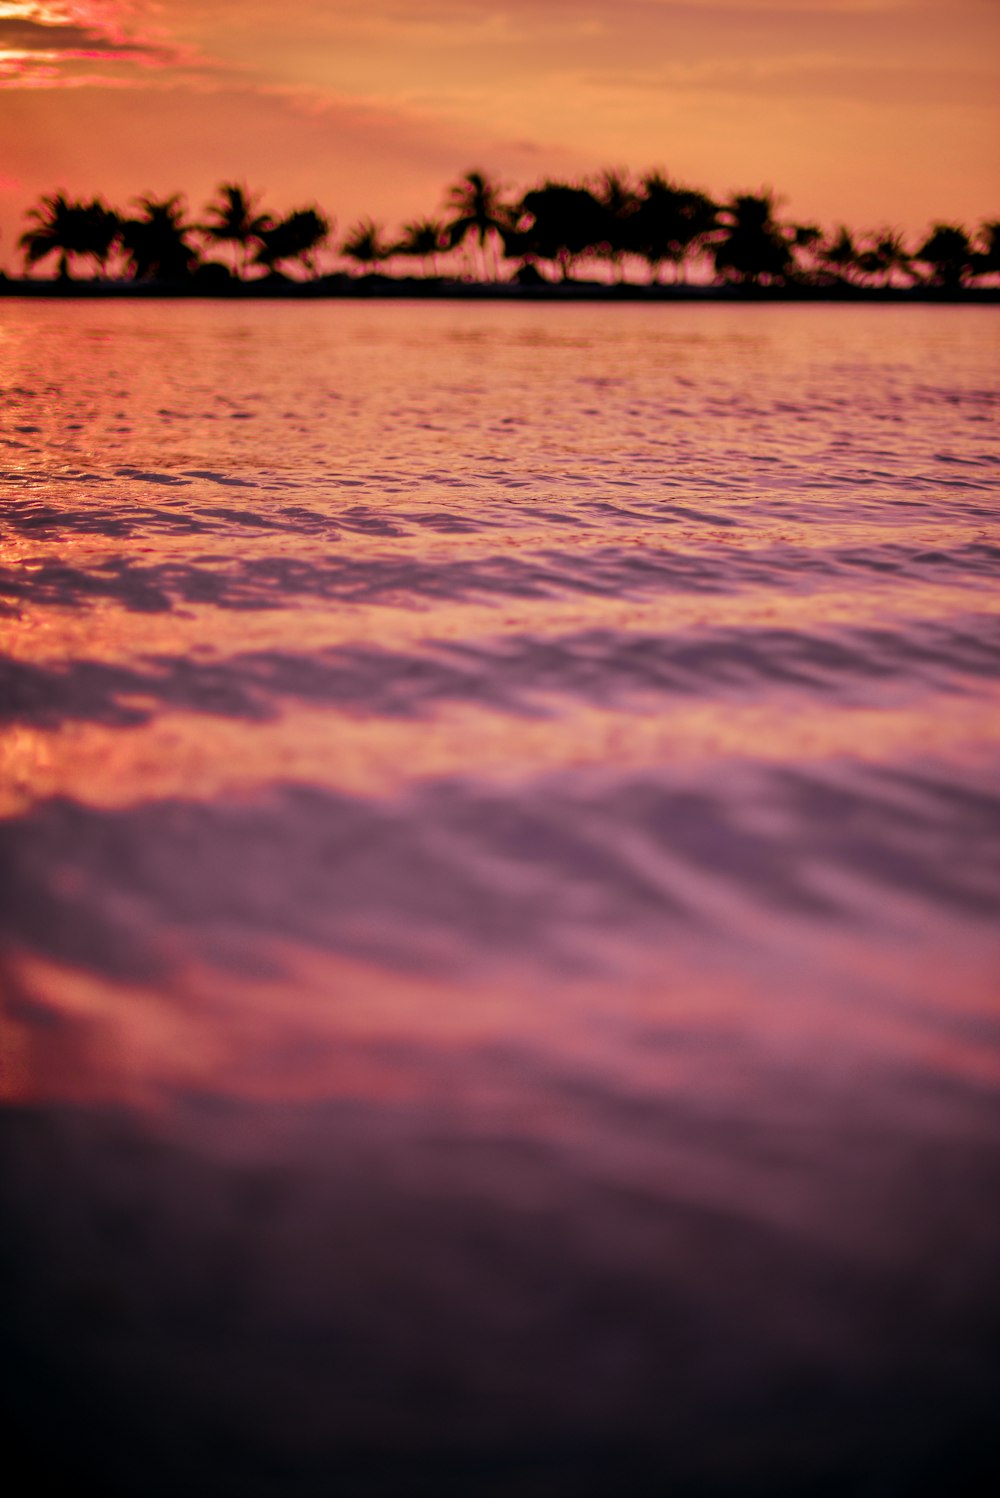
(234, 220)
(839, 254)
(559, 222)
(657, 220)
(365, 244)
(883, 253)
(56, 228)
(699, 221)
(67, 229)
(620, 201)
(424, 238)
(987, 256)
(673, 223)
(612, 216)
(805, 244)
(948, 251)
(753, 247)
(295, 238)
(155, 244)
(103, 230)
(477, 209)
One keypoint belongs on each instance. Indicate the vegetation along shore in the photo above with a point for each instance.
(607, 237)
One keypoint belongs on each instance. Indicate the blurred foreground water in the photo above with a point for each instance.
(500, 858)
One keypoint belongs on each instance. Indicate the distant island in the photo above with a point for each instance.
(609, 237)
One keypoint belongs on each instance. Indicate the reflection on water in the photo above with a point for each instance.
(500, 841)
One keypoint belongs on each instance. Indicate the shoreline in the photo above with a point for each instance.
(415, 288)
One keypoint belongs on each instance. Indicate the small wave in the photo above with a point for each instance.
(515, 674)
(414, 581)
(456, 871)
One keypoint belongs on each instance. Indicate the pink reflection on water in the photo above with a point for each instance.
(502, 801)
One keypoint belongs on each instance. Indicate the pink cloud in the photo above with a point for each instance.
(41, 45)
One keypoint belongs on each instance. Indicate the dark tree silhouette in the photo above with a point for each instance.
(882, 253)
(424, 238)
(672, 223)
(295, 238)
(234, 219)
(949, 254)
(699, 221)
(753, 247)
(987, 255)
(69, 229)
(620, 201)
(838, 255)
(365, 245)
(805, 243)
(610, 216)
(657, 222)
(155, 243)
(104, 227)
(55, 228)
(477, 209)
(559, 223)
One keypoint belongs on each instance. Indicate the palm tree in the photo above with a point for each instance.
(672, 223)
(56, 227)
(234, 220)
(805, 243)
(884, 253)
(754, 246)
(67, 229)
(657, 220)
(948, 251)
(839, 255)
(699, 221)
(987, 257)
(296, 237)
(365, 244)
(558, 222)
(103, 230)
(476, 208)
(155, 244)
(424, 237)
(620, 201)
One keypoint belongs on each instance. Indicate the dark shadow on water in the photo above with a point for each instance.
(556, 874)
(373, 1302)
(521, 675)
(414, 582)
(409, 884)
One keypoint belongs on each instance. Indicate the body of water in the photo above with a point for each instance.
(500, 857)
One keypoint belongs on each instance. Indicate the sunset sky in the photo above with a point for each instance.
(872, 111)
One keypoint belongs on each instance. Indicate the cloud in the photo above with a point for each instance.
(47, 45)
(803, 76)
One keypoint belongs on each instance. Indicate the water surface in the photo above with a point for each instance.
(499, 839)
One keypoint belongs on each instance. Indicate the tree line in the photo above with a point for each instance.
(647, 228)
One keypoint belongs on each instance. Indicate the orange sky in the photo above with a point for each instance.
(873, 111)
